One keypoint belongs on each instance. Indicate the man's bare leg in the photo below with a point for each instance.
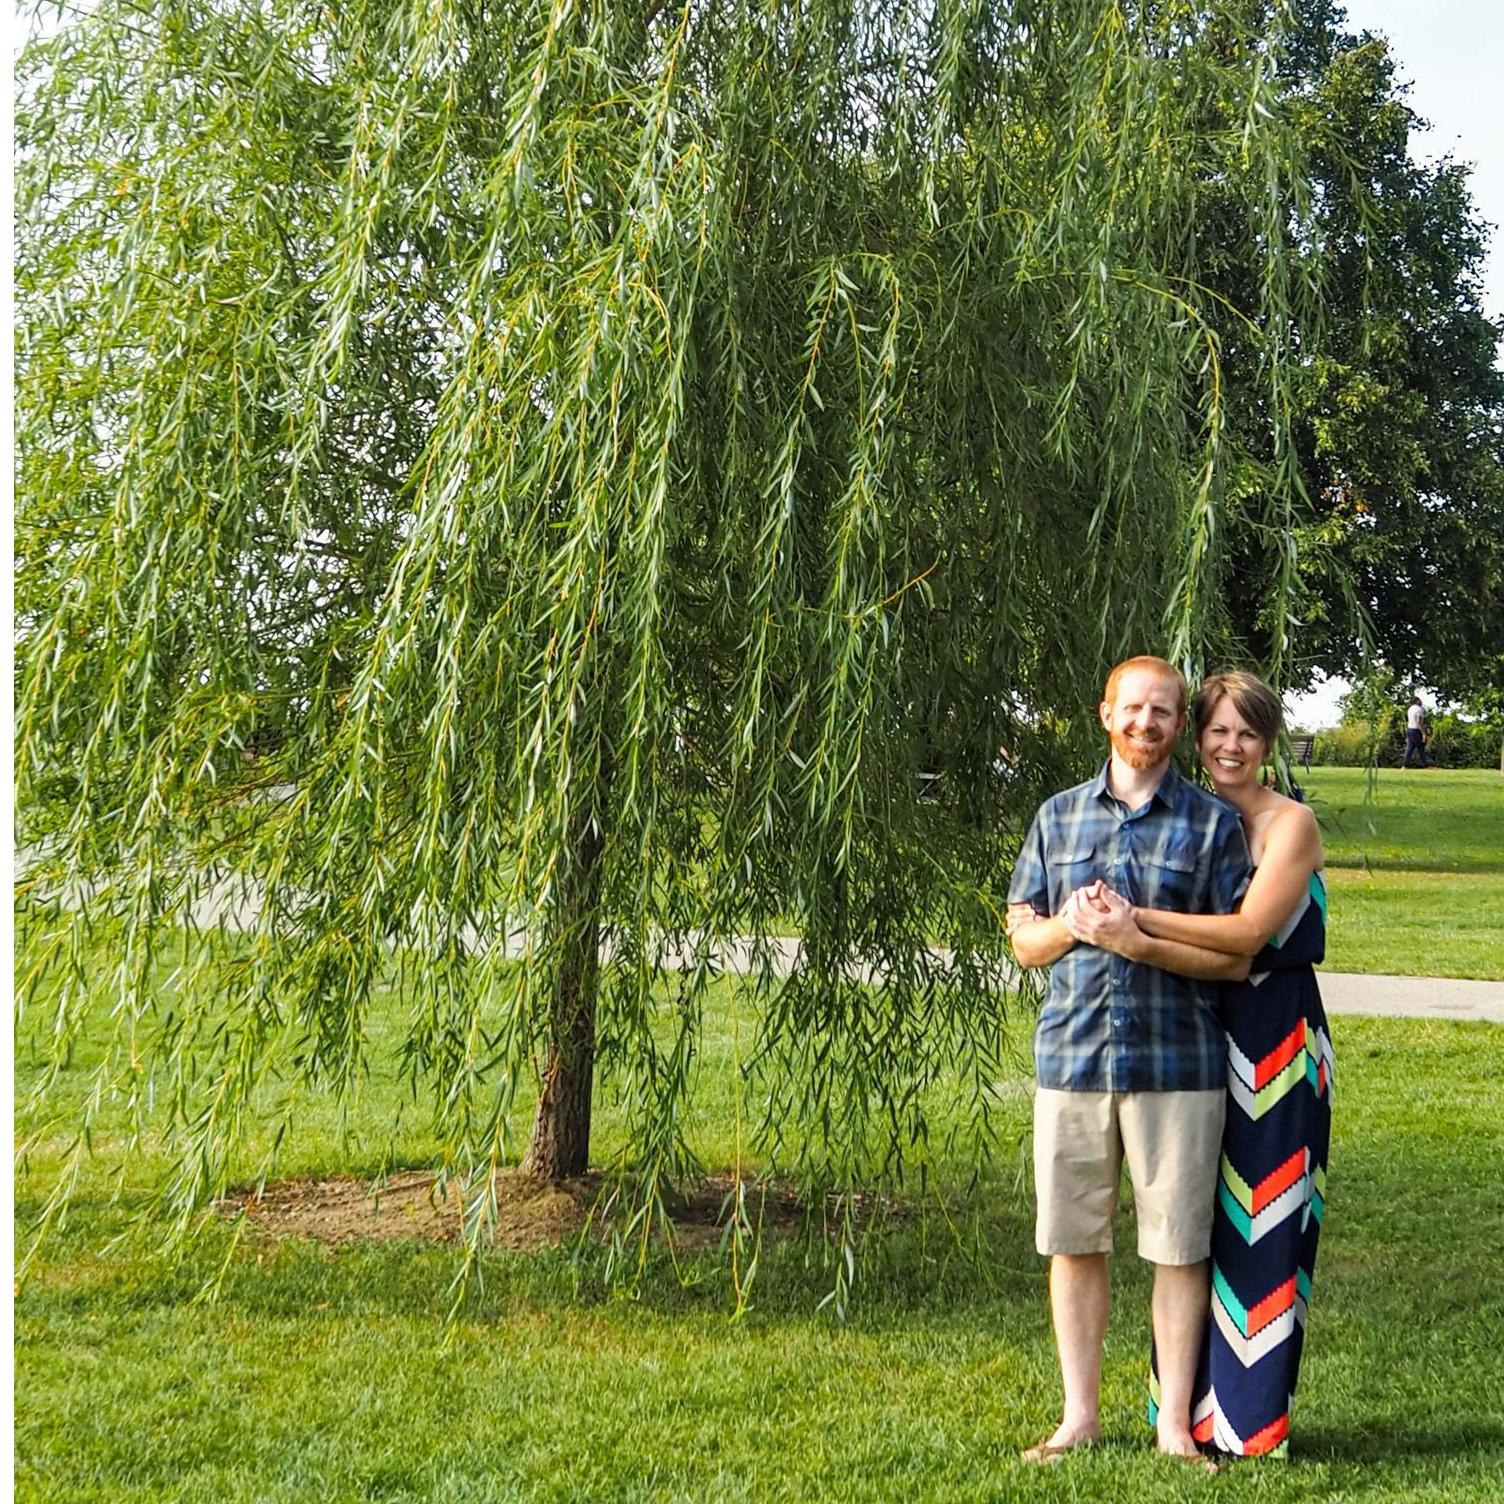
(1079, 1299)
(1181, 1300)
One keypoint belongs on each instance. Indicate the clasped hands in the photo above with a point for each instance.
(1094, 915)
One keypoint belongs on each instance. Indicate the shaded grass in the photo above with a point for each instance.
(1416, 871)
(326, 1376)
(1416, 923)
(1440, 820)
(378, 1124)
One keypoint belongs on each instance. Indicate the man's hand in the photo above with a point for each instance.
(1094, 895)
(1095, 915)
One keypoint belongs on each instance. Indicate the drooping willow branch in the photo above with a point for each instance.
(593, 460)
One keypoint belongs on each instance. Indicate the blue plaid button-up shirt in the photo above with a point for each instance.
(1114, 1025)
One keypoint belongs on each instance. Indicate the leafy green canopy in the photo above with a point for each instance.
(456, 438)
(1398, 406)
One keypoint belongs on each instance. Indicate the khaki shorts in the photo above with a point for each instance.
(1173, 1143)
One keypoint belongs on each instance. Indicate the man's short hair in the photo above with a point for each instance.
(1161, 666)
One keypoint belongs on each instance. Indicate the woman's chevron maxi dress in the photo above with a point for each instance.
(1271, 1192)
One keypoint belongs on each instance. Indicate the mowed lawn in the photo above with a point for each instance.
(1415, 868)
(317, 1375)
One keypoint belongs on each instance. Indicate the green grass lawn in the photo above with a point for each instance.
(321, 1375)
(1416, 870)
(324, 1375)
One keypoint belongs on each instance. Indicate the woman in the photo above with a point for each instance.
(1271, 1190)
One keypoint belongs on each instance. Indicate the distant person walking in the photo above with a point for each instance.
(1415, 735)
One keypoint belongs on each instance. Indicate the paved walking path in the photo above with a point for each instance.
(1412, 997)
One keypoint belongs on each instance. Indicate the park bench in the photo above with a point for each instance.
(1300, 749)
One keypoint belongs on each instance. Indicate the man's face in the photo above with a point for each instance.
(1144, 718)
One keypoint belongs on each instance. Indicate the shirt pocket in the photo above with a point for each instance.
(1072, 866)
(1169, 877)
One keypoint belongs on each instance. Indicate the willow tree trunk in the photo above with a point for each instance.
(560, 1144)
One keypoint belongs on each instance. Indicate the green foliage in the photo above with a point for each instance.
(454, 440)
(1373, 728)
(1375, 699)
(1486, 703)
(1398, 415)
(1458, 743)
(1358, 744)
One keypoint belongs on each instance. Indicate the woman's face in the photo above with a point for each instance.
(1231, 750)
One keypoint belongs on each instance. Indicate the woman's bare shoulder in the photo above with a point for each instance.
(1286, 808)
(1295, 824)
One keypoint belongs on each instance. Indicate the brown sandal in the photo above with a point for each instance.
(1045, 1454)
(1199, 1460)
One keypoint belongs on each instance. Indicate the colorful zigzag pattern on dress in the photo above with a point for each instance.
(1255, 1210)
(1305, 1054)
(1210, 1424)
(1315, 894)
(1251, 1332)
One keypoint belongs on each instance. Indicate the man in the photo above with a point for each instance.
(1415, 734)
(1129, 1056)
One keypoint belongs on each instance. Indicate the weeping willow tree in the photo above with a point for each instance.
(513, 496)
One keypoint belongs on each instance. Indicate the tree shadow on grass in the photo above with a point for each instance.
(1385, 1441)
(943, 1260)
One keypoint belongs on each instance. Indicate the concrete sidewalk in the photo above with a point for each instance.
(1411, 997)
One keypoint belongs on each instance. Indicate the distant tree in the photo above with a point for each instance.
(1399, 415)
(525, 486)
(1373, 700)
(1483, 709)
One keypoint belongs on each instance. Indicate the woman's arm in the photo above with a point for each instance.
(1292, 852)
(1190, 960)
(1042, 942)
(1037, 940)
(1112, 927)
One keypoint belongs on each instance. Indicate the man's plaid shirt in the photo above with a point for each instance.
(1113, 1025)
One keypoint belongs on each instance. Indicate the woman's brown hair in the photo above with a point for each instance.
(1251, 697)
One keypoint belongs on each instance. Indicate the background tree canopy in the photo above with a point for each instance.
(1399, 404)
(518, 488)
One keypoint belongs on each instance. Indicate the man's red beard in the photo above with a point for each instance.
(1149, 752)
